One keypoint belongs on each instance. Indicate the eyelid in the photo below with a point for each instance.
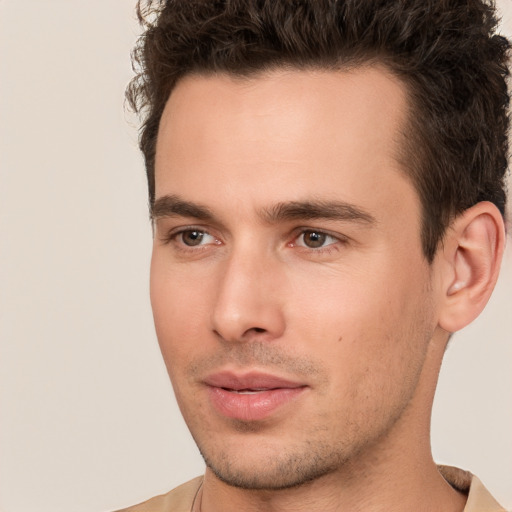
(339, 239)
(171, 235)
(304, 229)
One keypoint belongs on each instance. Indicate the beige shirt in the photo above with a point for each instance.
(182, 498)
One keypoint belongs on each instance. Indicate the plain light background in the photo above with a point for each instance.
(87, 416)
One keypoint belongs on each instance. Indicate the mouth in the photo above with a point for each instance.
(246, 391)
(251, 396)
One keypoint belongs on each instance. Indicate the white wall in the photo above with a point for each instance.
(87, 417)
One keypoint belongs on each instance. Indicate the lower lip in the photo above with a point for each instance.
(251, 406)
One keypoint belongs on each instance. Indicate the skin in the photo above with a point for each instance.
(353, 316)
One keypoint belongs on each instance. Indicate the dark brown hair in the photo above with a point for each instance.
(446, 52)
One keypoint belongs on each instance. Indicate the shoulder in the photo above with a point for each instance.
(177, 500)
(480, 499)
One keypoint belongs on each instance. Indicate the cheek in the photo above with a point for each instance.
(176, 305)
(346, 303)
(363, 323)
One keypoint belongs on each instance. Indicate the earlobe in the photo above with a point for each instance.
(472, 252)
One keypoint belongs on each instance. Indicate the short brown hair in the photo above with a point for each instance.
(446, 52)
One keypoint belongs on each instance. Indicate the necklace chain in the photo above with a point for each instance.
(198, 494)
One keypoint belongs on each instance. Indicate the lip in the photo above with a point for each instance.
(250, 396)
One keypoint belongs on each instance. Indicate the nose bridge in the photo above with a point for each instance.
(247, 302)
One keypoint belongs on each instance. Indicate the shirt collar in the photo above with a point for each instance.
(479, 498)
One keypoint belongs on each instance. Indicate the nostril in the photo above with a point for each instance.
(258, 329)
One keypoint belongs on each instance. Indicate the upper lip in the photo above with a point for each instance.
(250, 380)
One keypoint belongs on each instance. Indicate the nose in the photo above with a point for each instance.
(248, 302)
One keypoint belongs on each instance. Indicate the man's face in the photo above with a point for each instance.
(292, 301)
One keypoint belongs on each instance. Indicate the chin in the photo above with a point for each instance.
(275, 471)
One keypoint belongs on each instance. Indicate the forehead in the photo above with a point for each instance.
(289, 98)
(282, 135)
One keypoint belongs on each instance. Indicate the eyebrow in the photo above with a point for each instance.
(310, 210)
(174, 206)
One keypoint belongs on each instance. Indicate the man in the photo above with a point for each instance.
(326, 181)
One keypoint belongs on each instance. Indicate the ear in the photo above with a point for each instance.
(470, 258)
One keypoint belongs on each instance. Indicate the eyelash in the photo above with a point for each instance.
(334, 245)
(339, 240)
(172, 237)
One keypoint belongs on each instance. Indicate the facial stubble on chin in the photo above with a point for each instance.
(292, 471)
(288, 470)
(292, 466)
(295, 464)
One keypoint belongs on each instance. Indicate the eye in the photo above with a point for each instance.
(314, 239)
(195, 237)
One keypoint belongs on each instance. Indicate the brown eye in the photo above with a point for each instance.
(192, 237)
(314, 239)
